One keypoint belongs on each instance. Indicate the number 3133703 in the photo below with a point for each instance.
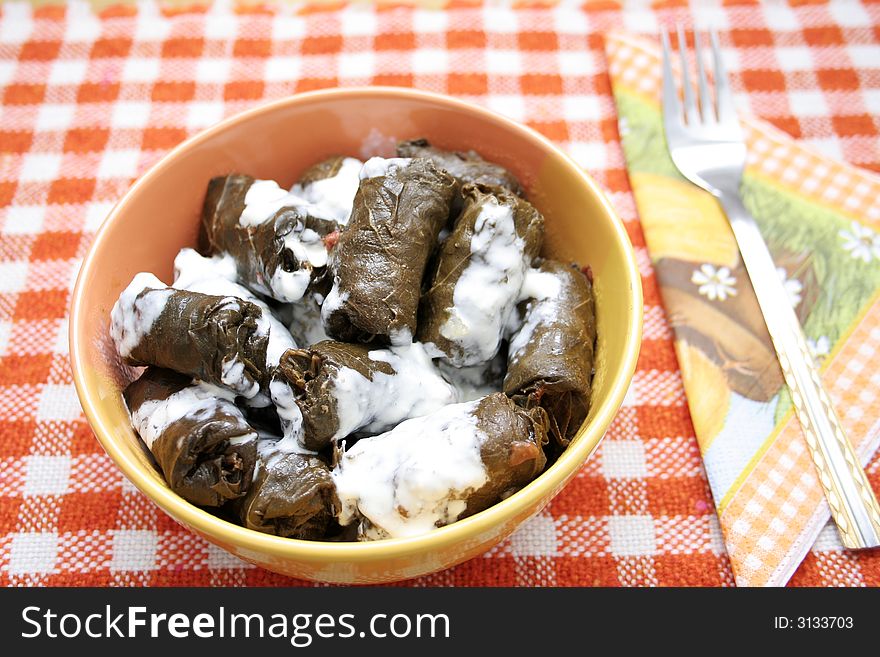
(813, 623)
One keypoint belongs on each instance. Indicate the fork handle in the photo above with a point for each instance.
(853, 504)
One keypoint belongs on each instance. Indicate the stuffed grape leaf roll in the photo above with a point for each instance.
(342, 388)
(550, 358)
(464, 166)
(430, 471)
(379, 261)
(479, 273)
(223, 340)
(292, 495)
(198, 436)
(278, 241)
(216, 276)
(196, 273)
(331, 185)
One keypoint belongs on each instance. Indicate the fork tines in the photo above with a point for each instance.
(701, 108)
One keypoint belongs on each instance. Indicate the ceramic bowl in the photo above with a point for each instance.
(160, 214)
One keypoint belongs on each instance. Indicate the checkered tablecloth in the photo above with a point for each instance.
(89, 101)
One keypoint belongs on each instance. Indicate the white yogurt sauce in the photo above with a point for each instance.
(261, 201)
(289, 286)
(380, 166)
(400, 337)
(306, 245)
(290, 441)
(289, 412)
(539, 284)
(191, 269)
(199, 401)
(132, 317)
(334, 195)
(264, 198)
(489, 287)
(416, 389)
(415, 477)
(232, 374)
(305, 324)
(474, 382)
(333, 302)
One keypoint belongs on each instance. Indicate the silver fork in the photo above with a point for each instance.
(707, 146)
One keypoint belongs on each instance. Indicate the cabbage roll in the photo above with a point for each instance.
(292, 495)
(199, 437)
(278, 241)
(477, 278)
(342, 388)
(465, 167)
(550, 358)
(380, 258)
(431, 471)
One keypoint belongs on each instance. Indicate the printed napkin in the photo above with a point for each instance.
(820, 219)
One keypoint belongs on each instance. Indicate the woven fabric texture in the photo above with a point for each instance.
(89, 101)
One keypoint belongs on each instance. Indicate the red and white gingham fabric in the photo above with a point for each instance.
(89, 101)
